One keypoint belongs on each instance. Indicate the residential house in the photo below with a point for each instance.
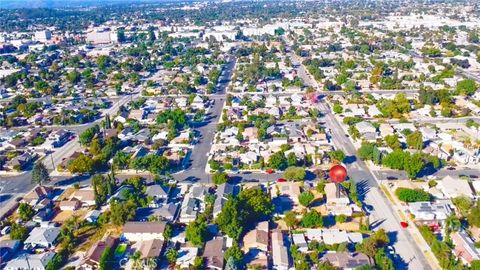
(85, 196)
(257, 238)
(300, 242)
(465, 248)
(428, 211)
(386, 129)
(91, 259)
(31, 261)
(70, 205)
(20, 162)
(44, 237)
(167, 212)
(140, 231)
(280, 256)
(92, 216)
(223, 192)
(452, 187)
(186, 257)
(333, 236)
(366, 128)
(287, 193)
(347, 261)
(158, 193)
(214, 252)
(37, 194)
(192, 203)
(152, 248)
(337, 200)
(197, 103)
(121, 117)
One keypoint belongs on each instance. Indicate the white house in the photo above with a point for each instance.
(142, 231)
(43, 237)
(427, 211)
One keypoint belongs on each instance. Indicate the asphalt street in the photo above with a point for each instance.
(381, 213)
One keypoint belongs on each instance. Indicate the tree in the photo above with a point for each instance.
(475, 265)
(337, 155)
(196, 232)
(231, 264)
(87, 136)
(238, 213)
(452, 223)
(474, 215)
(312, 219)
(18, 232)
(168, 232)
(234, 252)
(413, 165)
(295, 173)
(463, 204)
(412, 195)
(120, 212)
(198, 263)
(292, 159)
(466, 87)
(341, 218)
(290, 219)
(136, 260)
(219, 178)
(40, 174)
(106, 259)
(25, 211)
(305, 198)
(393, 141)
(321, 186)
(337, 108)
(415, 140)
(376, 241)
(82, 164)
(278, 161)
(171, 255)
(365, 152)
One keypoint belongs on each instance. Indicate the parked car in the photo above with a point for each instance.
(281, 180)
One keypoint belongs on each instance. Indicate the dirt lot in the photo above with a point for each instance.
(62, 216)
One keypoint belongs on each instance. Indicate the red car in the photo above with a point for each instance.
(281, 180)
(404, 224)
(269, 171)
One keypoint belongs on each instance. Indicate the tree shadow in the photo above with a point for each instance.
(376, 224)
(5, 197)
(72, 180)
(362, 189)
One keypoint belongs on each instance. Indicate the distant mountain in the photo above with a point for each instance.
(9, 4)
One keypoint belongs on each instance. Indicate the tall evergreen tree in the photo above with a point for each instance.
(40, 174)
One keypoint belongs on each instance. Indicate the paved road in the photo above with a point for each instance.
(381, 213)
(198, 159)
(11, 186)
(393, 175)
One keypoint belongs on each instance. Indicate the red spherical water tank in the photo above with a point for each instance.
(338, 174)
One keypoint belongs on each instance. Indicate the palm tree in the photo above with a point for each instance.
(452, 223)
(151, 263)
(137, 261)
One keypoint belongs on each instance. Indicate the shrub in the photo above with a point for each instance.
(412, 195)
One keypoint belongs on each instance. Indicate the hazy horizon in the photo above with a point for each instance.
(11, 4)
